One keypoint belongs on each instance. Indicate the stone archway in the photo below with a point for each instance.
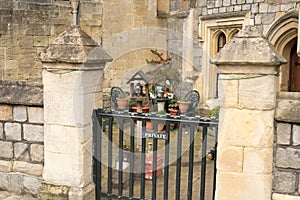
(283, 35)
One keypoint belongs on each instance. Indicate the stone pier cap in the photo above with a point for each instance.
(74, 47)
(248, 47)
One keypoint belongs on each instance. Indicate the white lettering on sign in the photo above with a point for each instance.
(156, 135)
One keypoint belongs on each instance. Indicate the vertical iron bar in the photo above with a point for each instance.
(166, 170)
(110, 140)
(178, 164)
(154, 168)
(143, 158)
(97, 134)
(215, 162)
(203, 163)
(120, 177)
(131, 178)
(191, 164)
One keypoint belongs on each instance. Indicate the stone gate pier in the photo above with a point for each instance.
(72, 76)
(248, 68)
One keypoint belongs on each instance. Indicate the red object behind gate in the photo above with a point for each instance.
(149, 166)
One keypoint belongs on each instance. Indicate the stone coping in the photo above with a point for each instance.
(288, 107)
(21, 92)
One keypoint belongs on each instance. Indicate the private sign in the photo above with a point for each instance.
(156, 135)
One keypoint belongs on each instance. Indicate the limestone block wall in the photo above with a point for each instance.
(21, 136)
(286, 173)
(27, 27)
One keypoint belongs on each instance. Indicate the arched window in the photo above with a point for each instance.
(221, 41)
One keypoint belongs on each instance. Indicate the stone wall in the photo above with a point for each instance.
(29, 26)
(286, 173)
(21, 136)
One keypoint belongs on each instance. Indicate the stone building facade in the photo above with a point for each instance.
(189, 31)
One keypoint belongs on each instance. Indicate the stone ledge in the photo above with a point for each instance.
(288, 107)
(21, 93)
(277, 196)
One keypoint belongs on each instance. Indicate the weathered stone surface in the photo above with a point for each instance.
(258, 160)
(20, 113)
(231, 159)
(258, 93)
(6, 150)
(228, 91)
(284, 182)
(73, 105)
(5, 112)
(288, 158)
(21, 151)
(283, 133)
(254, 129)
(242, 186)
(296, 134)
(37, 152)
(21, 92)
(28, 168)
(4, 180)
(34, 133)
(1, 131)
(74, 46)
(5, 166)
(288, 107)
(47, 191)
(15, 182)
(36, 115)
(86, 193)
(64, 146)
(32, 184)
(13, 131)
(277, 196)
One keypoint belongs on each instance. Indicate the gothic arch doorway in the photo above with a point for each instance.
(283, 35)
(294, 85)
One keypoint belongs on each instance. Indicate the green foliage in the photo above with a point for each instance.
(173, 103)
(214, 113)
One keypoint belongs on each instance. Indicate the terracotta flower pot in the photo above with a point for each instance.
(184, 106)
(173, 111)
(122, 103)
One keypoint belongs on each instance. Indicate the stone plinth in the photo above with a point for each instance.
(248, 66)
(72, 77)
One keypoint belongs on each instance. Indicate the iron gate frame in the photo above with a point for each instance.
(192, 122)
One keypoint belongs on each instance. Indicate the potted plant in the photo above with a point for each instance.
(122, 101)
(173, 107)
(184, 105)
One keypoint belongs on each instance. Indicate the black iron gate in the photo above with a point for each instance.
(133, 161)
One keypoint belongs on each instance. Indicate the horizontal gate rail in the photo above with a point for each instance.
(127, 176)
